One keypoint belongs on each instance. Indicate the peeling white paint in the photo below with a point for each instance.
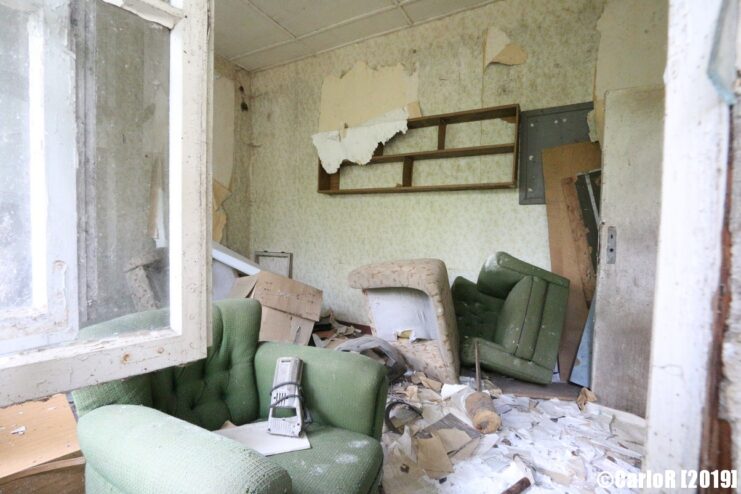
(498, 48)
(356, 144)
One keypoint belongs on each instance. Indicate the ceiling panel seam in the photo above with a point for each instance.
(278, 24)
(315, 32)
(297, 39)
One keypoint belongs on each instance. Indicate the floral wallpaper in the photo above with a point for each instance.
(278, 208)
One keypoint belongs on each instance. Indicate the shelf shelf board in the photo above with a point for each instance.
(330, 183)
(445, 153)
(421, 188)
(504, 112)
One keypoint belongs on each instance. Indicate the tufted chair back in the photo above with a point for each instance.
(207, 392)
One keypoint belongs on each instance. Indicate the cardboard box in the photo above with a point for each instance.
(289, 308)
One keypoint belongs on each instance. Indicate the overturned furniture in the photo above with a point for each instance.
(166, 444)
(515, 311)
(410, 305)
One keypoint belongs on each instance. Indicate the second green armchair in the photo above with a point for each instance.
(150, 433)
(515, 311)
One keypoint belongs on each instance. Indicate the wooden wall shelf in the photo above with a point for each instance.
(330, 183)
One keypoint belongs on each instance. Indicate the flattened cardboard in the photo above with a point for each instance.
(243, 286)
(288, 295)
(281, 326)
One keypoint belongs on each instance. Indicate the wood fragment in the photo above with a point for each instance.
(518, 486)
(579, 235)
(585, 396)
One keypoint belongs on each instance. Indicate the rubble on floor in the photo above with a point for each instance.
(558, 446)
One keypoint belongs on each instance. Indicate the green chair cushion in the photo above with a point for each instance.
(338, 462)
(476, 313)
(222, 386)
(531, 322)
(549, 337)
(334, 397)
(512, 317)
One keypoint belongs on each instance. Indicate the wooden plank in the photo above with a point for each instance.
(579, 237)
(52, 466)
(446, 153)
(408, 172)
(49, 433)
(57, 477)
(559, 163)
(562, 391)
(489, 113)
(328, 181)
(632, 184)
(422, 188)
(441, 131)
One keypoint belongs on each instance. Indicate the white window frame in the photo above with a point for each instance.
(52, 315)
(41, 372)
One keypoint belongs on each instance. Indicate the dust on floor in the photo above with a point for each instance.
(560, 447)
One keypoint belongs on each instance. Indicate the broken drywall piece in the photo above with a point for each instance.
(219, 223)
(224, 101)
(220, 194)
(363, 94)
(592, 126)
(357, 144)
(432, 457)
(498, 48)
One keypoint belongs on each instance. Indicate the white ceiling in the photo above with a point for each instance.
(258, 34)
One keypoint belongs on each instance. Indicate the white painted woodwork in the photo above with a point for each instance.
(42, 372)
(157, 11)
(696, 133)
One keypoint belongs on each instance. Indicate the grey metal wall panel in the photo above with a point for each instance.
(545, 128)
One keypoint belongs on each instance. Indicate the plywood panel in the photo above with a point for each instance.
(559, 163)
(631, 190)
(36, 432)
(58, 479)
(579, 233)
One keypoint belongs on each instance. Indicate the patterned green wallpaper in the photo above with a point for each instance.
(277, 202)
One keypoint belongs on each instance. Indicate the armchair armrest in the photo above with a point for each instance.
(502, 271)
(343, 390)
(139, 449)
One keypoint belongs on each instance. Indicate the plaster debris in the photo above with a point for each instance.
(361, 109)
(356, 144)
(592, 125)
(585, 396)
(498, 48)
(553, 443)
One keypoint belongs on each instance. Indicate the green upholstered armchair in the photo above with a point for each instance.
(150, 433)
(515, 311)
